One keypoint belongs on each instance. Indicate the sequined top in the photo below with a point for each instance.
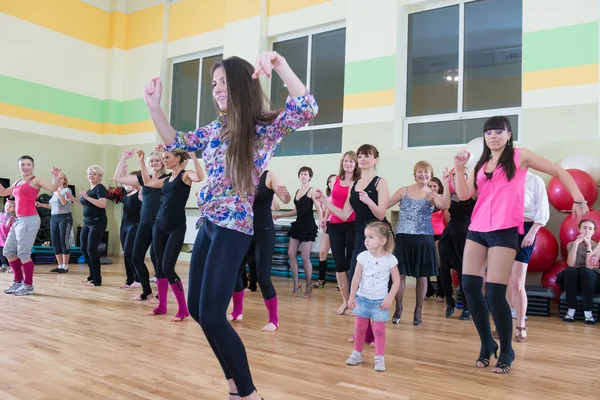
(415, 216)
(218, 201)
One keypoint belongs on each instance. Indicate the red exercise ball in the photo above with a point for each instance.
(545, 251)
(455, 281)
(549, 277)
(569, 230)
(561, 199)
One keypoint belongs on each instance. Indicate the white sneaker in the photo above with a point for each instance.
(379, 364)
(14, 287)
(355, 358)
(24, 290)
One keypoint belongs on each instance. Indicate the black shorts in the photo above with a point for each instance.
(436, 237)
(501, 238)
(524, 253)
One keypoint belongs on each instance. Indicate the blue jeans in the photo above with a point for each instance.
(366, 308)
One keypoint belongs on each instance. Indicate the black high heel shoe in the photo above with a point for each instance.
(504, 362)
(449, 311)
(486, 361)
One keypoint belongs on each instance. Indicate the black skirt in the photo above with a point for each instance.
(417, 255)
(303, 231)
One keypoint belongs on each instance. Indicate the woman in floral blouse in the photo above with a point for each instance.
(236, 149)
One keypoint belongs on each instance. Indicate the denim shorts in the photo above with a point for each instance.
(366, 308)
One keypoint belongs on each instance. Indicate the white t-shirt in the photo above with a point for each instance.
(375, 275)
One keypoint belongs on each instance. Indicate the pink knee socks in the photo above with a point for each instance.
(238, 304)
(272, 309)
(379, 330)
(182, 310)
(17, 270)
(28, 272)
(360, 331)
(162, 284)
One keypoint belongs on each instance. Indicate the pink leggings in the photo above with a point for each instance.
(360, 332)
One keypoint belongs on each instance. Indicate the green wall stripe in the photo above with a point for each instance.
(370, 75)
(27, 94)
(567, 46)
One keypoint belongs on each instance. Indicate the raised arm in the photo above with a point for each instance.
(198, 174)
(149, 182)
(5, 192)
(119, 176)
(443, 202)
(152, 95)
(50, 187)
(272, 61)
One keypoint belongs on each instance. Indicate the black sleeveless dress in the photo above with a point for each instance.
(452, 243)
(304, 229)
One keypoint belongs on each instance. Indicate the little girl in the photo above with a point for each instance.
(369, 297)
(7, 219)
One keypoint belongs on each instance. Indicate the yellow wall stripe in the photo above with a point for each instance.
(74, 123)
(237, 10)
(90, 24)
(370, 99)
(558, 77)
(193, 17)
(275, 7)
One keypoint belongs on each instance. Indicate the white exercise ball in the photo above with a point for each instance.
(475, 148)
(584, 162)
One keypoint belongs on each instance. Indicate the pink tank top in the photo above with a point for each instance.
(500, 202)
(25, 197)
(437, 220)
(339, 194)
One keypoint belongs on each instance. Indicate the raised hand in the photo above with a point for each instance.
(56, 171)
(282, 191)
(153, 93)
(446, 176)
(141, 156)
(462, 158)
(127, 154)
(319, 195)
(266, 62)
(159, 147)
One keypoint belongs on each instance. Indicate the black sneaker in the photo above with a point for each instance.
(55, 270)
(465, 315)
(63, 270)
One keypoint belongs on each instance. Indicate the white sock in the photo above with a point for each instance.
(571, 312)
(588, 314)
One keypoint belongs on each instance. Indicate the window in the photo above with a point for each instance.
(191, 93)
(319, 60)
(464, 65)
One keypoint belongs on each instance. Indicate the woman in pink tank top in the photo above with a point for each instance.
(23, 233)
(499, 181)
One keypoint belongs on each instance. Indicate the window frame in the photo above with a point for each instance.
(201, 55)
(459, 114)
(310, 32)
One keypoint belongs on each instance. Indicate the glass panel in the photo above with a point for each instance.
(492, 54)
(452, 132)
(327, 75)
(208, 110)
(184, 95)
(295, 52)
(432, 70)
(311, 141)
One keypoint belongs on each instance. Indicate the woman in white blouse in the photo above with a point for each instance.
(537, 213)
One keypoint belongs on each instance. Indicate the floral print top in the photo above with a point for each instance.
(219, 203)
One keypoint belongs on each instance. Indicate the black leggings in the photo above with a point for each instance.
(91, 236)
(359, 247)
(214, 267)
(143, 239)
(342, 240)
(580, 278)
(3, 260)
(60, 228)
(451, 247)
(128, 231)
(261, 250)
(167, 242)
(250, 280)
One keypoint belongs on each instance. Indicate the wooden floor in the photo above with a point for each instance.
(71, 342)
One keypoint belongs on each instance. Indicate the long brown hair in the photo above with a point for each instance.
(246, 106)
(356, 173)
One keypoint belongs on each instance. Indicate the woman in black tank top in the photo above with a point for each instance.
(368, 198)
(150, 205)
(169, 229)
(303, 231)
(261, 249)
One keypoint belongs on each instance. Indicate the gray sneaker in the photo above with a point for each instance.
(12, 288)
(24, 290)
(379, 364)
(355, 358)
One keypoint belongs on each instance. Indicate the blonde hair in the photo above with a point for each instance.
(66, 180)
(157, 154)
(423, 165)
(97, 169)
(383, 230)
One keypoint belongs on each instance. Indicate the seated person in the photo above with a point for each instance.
(581, 276)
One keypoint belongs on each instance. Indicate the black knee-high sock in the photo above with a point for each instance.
(472, 286)
(322, 270)
(496, 294)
